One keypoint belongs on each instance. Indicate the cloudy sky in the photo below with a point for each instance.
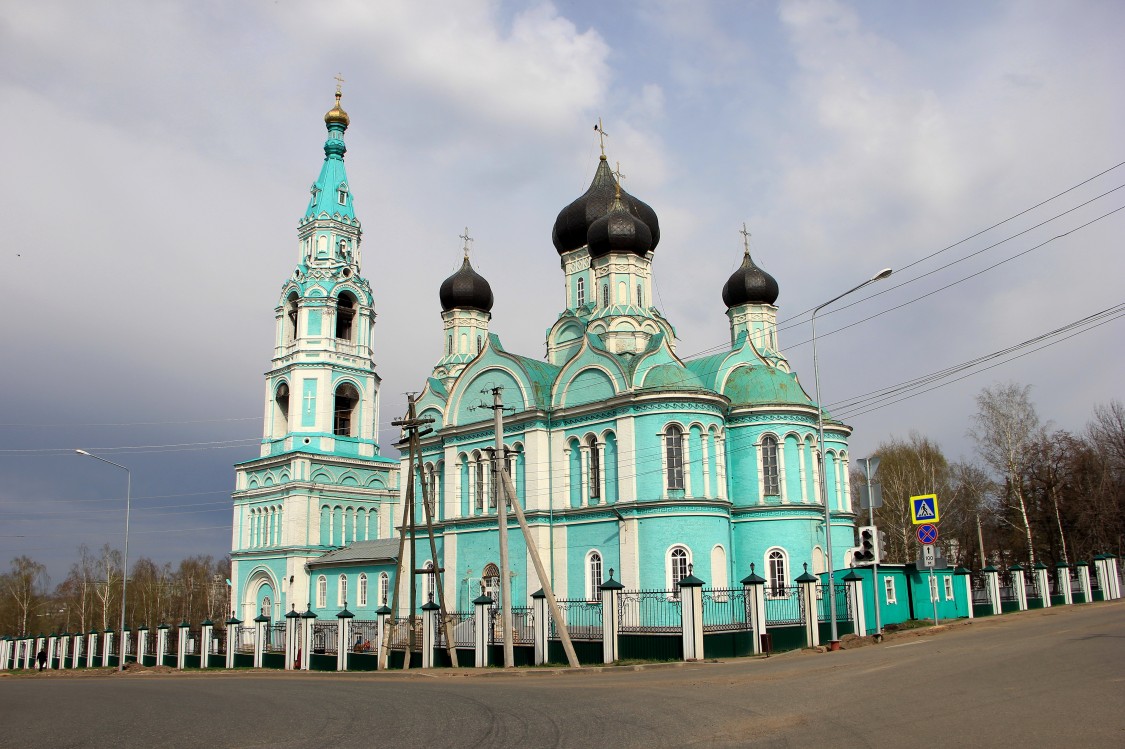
(159, 155)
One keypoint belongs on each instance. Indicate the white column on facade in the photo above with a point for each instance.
(761, 466)
(705, 459)
(601, 471)
(721, 464)
(685, 451)
(661, 440)
(565, 470)
(845, 485)
(817, 498)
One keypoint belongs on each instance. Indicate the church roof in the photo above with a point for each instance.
(573, 222)
(465, 289)
(359, 552)
(332, 183)
(765, 385)
(749, 285)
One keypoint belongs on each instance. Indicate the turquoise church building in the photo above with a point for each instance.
(624, 455)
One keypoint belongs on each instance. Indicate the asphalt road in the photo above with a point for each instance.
(1046, 678)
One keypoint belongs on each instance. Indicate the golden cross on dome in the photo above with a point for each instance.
(339, 82)
(602, 135)
(745, 238)
(620, 175)
(467, 239)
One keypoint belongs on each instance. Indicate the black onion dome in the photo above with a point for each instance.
(573, 222)
(465, 288)
(749, 285)
(619, 231)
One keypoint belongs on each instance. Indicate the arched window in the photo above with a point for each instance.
(342, 592)
(594, 478)
(322, 592)
(778, 568)
(361, 595)
(593, 576)
(605, 295)
(449, 346)
(267, 607)
(718, 567)
(344, 409)
(581, 292)
(431, 490)
(490, 582)
(678, 562)
(431, 578)
(345, 315)
(291, 313)
(384, 588)
(342, 194)
(480, 344)
(478, 488)
(281, 399)
(771, 483)
(674, 456)
(640, 296)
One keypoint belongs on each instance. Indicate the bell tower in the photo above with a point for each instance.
(320, 481)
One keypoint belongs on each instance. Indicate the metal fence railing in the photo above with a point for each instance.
(365, 636)
(843, 603)
(784, 606)
(982, 592)
(464, 626)
(244, 638)
(193, 642)
(725, 610)
(583, 619)
(275, 638)
(399, 634)
(649, 611)
(324, 638)
(523, 629)
(1031, 584)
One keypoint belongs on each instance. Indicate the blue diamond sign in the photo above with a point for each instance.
(924, 509)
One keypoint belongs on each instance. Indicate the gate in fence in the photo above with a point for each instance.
(650, 624)
(727, 623)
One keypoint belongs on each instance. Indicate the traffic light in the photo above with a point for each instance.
(881, 546)
(868, 548)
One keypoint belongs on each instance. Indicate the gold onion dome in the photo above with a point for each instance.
(336, 114)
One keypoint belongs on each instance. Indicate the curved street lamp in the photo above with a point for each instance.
(125, 557)
(834, 643)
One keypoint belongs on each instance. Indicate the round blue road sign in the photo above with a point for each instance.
(927, 533)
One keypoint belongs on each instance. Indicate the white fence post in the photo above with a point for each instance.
(807, 586)
(992, 580)
(142, 644)
(206, 637)
(1020, 586)
(161, 643)
(1084, 581)
(754, 598)
(854, 585)
(308, 624)
(261, 621)
(967, 582)
(542, 626)
(51, 651)
(107, 647)
(482, 605)
(232, 639)
(611, 624)
(1062, 569)
(343, 635)
(92, 648)
(292, 625)
(181, 645)
(1043, 584)
(691, 615)
(381, 615)
(429, 616)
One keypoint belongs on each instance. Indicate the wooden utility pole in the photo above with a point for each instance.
(384, 655)
(502, 520)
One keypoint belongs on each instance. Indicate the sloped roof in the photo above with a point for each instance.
(379, 550)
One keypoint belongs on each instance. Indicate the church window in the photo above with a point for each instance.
(431, 577)
(674, 456)
(361, 594)
(384, 588)
(322, 592)
(480, 344)
(478, 488)
(431, 490)
(622, 293)
(281, 398)
(490, 582)
(291, 313)
(605, 295)
(267, 606)
(449, 346)
(342, 195)
(640, 296)
(718, 568)
(778, 569)
(347, 397)
(342, 592)
(493, 490)
(593, 576)
(581, 292)
(345, 316)
(595, 469)
(771, 483)
(678, 563)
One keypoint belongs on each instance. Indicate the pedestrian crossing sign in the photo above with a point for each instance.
(923, 509)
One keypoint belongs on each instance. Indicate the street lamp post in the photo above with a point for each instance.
(125, 557)
(820, 457)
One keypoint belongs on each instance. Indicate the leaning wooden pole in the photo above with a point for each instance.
(533, 550)
(384, 656)
(416, 451)
(502, 524)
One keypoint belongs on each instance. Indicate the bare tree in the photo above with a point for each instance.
(1004, 427)
(25, 585)
(907, 468)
